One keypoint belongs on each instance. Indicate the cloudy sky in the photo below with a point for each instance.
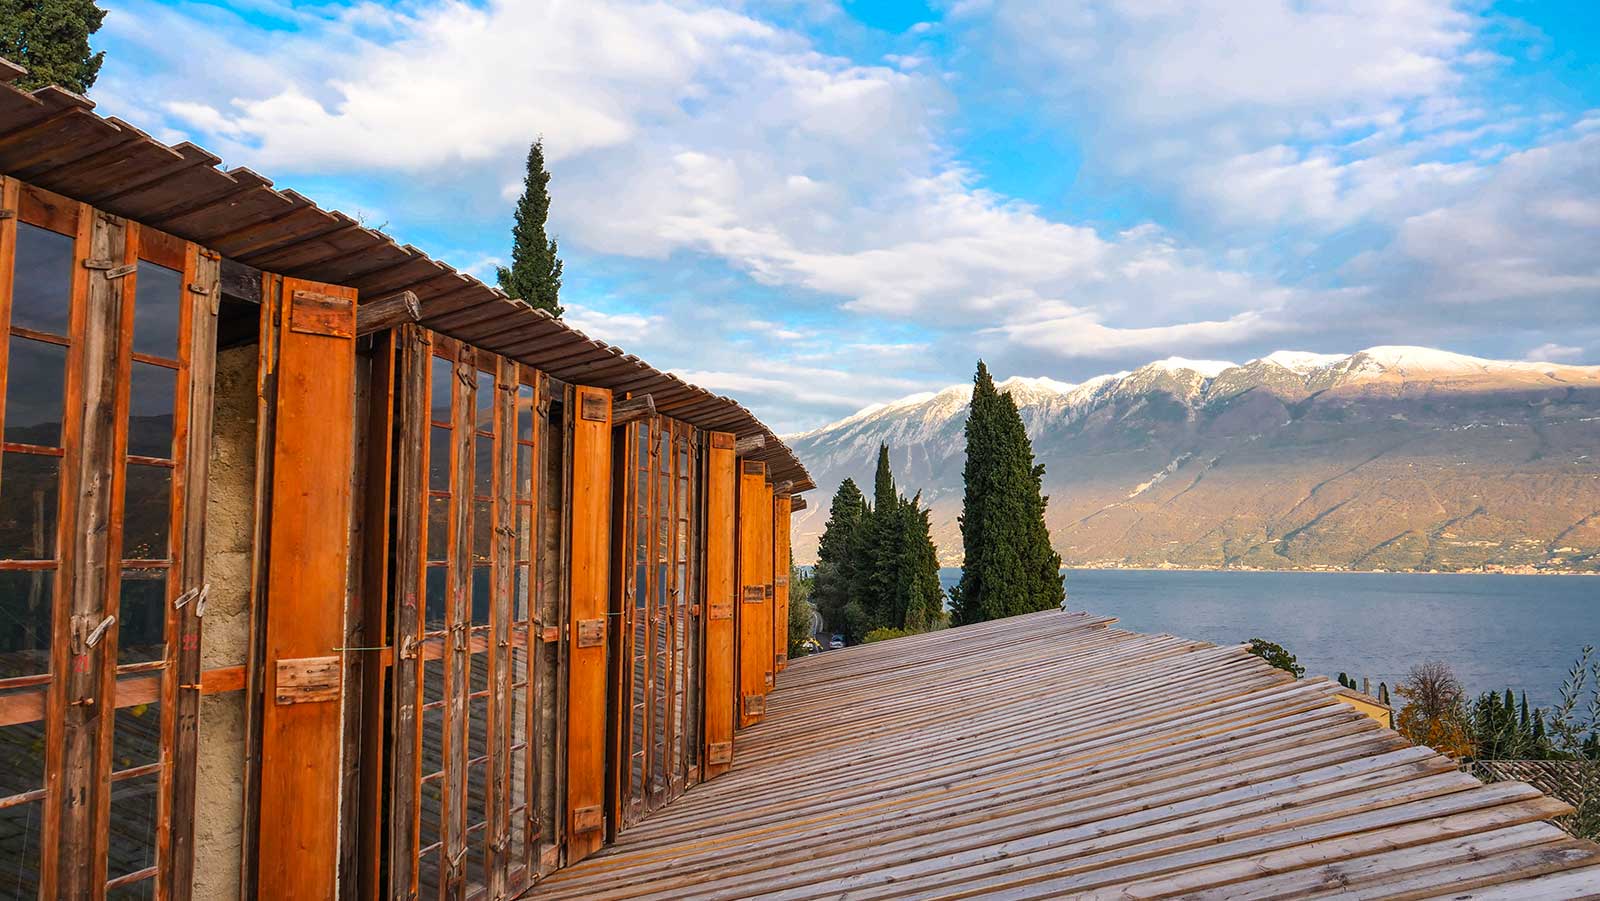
(818, 204)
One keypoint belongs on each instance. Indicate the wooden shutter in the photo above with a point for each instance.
(312, 455)
(720, 599)
(589, 570)
(755, 608)
(780, 582)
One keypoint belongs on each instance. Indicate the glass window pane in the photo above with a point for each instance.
(432, 812)
(142, 616)
(483, 467)
(439, 458)
(26, 602)
(482, 530)
(147, 513)
(156, 300)
(482, 594)
(525, 413)
(20, 852)
(478, 668)
(28, 493)
(435, 594)
(519, 600)
(524, 471)
(43, 286)
(142, 890)
(442, 380)
(136, 741)
(152, 393)
(432, 740)
(428, 875)
(438, 528)
(478, 723)
(36, 384)
(133, 825)
(433, 678)
(22, 748)
(483, 406)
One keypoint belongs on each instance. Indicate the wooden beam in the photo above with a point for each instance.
(748, 443)
(381, 315)
(240, 282)
(632, 410)
(796, 504)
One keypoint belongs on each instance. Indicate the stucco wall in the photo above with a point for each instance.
(225, 635)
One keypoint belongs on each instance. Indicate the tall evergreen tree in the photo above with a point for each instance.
(535, 271)
(1010, 567)
(51, 39)
(835, 571)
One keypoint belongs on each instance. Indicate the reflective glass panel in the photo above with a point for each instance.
(26, 602)
(483, 404)
(22, 746)
(146, 518)
(435, 593)
(142, 616)
(157, 299)
(28, 492)
(151, 396)
(133, 824)
(43, 288)
(439, 458)
(441, 380)
(36, 385)
(20, 853)
(136, 741)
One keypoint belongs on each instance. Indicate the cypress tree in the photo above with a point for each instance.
(880, 579)
(834, 577)
(50, 38)
(925, 603)
(535, 271)
(1009, 566)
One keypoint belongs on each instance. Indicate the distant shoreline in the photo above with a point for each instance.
(1335, 572)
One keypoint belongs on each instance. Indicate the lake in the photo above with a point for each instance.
(1493, 630)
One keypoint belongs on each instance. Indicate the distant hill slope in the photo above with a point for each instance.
(1393, 458)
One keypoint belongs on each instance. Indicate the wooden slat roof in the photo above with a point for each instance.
(1053, 755)
(53, 139)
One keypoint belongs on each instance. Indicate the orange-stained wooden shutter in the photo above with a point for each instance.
(755, 607)
(589, 573)
(780, 582)
(720, 600)
(307, 568)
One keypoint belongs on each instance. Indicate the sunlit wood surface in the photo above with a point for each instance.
(1053, 755)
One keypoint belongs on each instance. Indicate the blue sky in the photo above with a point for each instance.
(814, 205)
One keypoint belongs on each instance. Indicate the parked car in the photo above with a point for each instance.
(837, 642)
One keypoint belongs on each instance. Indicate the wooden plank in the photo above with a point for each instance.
(313, 453)
(589, 565)
(501, 855)
(202, 269)
(414, 356)
(755, 608)
(260, 566)
(85, 670)
(458, 616)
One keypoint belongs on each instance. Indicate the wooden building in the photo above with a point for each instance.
(326, 570)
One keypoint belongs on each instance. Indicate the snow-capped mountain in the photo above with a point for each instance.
(1272, 462)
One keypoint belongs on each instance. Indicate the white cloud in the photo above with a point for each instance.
(1554, 353)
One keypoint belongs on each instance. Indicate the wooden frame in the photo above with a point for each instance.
(755, 603)
(780, 582)
(720, 601)
(119, 698)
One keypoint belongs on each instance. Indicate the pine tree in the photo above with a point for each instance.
(535, 272)
(1010, 567)
(51, 39)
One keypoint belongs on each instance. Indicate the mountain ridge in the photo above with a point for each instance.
(1290, 460)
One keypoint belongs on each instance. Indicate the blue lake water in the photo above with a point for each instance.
(1493, 630)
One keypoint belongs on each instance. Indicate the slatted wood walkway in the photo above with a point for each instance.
(1053, 755)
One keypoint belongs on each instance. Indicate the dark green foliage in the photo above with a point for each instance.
(876, 565)
(535, 271)
(799, 610)
(1346, 681)
(834, 577)
(51, 39)
(1276, 655)
(1383, 692)
(1010, 567)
